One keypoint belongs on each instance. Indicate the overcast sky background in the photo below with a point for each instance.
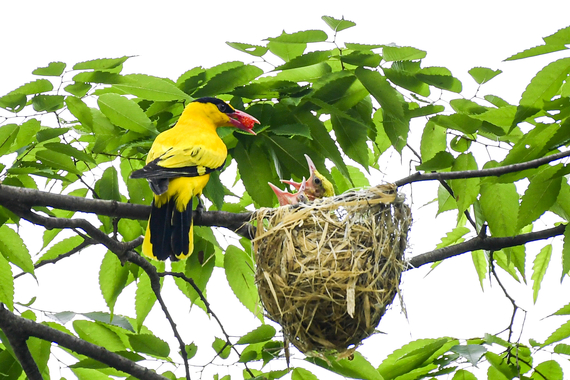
(171, 37)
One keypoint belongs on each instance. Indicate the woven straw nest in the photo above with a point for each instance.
(327, 270)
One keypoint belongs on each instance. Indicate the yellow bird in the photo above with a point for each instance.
(317, 185)
(178, 167)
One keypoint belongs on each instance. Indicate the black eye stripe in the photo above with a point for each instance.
(222, 106)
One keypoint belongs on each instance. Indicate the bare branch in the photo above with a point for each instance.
(27, 328)
(493, 172)
(482, 242)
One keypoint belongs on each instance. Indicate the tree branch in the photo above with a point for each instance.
(11, 196)
(493, 172)
(26, 328)
(483, 242)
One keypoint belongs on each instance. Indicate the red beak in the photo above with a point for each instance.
(243, 121)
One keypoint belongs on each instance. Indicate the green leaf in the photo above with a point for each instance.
(255, 50)
(566, 252)
(288, 46)
(108, 186)
(439, 77)
(191, 350)
(97, 333)
(9, 366)
(89, 374)
(362, 58)
(480, 263)
(151, 88)
(104, 77)
(537, 50)
(54, 69)
(109, 319)
(125, 113)
(13, 102)
(261, 334)
(78, 89)
(303, 74)
(221, 347)
(549, 369)
(112, 279)
(8, 134)
(144, 299)
(396, 124)
(12, 247)
(36, 87)
(453, 237)
(402, 53)
(100, 64)
(483, 74)
(441, 160)
(57, 161)
(226, 81)
(149, 344)
(542, 87)
(6, 283)
(500, 203)
(445, 201)
(357, 367)
(302, 374)
(539, 269)
(305, 60)
(50, 133)
(80, 110)
(539, 196)
(501, 365)
(562, 349)
(48, 103)
(69, 150)
(352, 138)
(253, 164)
(559, 334)
(471, 352)
(462, 374)
(465, 190)
(241, 277)
(337, 25)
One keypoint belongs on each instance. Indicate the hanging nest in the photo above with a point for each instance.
(327, 270)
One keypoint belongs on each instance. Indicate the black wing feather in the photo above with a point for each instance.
(160, 225)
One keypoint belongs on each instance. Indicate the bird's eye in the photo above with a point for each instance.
(223, 107)
(317, 181)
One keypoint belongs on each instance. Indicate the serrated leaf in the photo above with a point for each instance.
(465, 190)
(471, 352)
(305, 36)
(35, 87)
(566, 253)
(50, 133)
(462, 374)
(302, 374)
(239, 269)
(221, 347)
(108, 186)
(53, 69)
(69, 150)
(539, 196)
(125, 113)
(445, 200)
(500, 203)
(440, 77)
(441, 160)
(539, 269)
(362, 58)
(480, 264)
(402, 53)
(261, 334)
(151, 88)
(308, 59)
(357, 367)
(57, 161)
(149, 344)
(559, 334)
(549, 369)
(562, 349)
(112, 279)
(352, 138)
(80, 110)
(535, 51)
(337, 25)
(144, 299)
(255, 50)
(98, 334)
(227, 80)
(453, 237)
(48, 103)
(483, 74)
(6, 283)
(109, 319)
(252, 165)
(14, 250)
(100, 63)
(411, 356)
(8, 134)
(78, 89)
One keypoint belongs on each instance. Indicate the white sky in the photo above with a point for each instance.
(170, 37)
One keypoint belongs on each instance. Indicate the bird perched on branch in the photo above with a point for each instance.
(317, 185)
(286, 198)
(178, 167)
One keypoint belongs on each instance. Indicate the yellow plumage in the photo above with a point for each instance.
(178, 167)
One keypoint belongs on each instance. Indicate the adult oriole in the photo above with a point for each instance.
(286, 198)
(178, 167)
(317, 185)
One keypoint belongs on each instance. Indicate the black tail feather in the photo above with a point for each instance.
(160, 225)
(181, 222)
